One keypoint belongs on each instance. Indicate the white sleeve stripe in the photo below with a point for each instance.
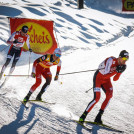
(108, 65)
(11, 37)
(27, 41)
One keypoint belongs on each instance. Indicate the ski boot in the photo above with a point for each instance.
(98, 117)
(25, 100)
(83, 116)
(38, 98)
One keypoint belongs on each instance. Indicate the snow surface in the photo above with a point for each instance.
(86, 38)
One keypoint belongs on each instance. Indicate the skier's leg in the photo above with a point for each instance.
(48, 77)
(13, 65)
(97, 94)
(37, 83)
(107, 88)
(38, 80)
(90, 105)
(9, 56)
(15, 60)
(4, 66)
(109, 94)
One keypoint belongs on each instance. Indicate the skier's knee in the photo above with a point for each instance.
(14, 62)
(97, 96)
(7, 62)
(97, 99)
(38, 83)
(109, 95)
(48, 81)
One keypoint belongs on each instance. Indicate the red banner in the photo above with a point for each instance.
(128, 5)
(42, 39)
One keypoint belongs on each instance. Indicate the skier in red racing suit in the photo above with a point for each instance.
(17, 40)
(41, 66)
(109, 67)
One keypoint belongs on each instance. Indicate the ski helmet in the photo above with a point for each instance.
(57, 52)
(24, 29)
(123, 54)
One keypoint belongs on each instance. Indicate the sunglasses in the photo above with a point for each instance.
(57, 55)
(124, 58)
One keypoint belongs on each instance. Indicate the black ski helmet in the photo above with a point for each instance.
(124, 53)
(24, 29)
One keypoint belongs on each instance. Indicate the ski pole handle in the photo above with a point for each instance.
(88, 90)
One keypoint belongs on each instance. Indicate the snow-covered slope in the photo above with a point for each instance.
(86, 38)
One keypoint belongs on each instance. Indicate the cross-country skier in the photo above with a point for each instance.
(41, 66)
(109, 67)
(17, 40)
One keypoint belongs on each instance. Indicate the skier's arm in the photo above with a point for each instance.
(106, 76)
(120, 69)
(40, 59)
(36, 62)
(10, 40)
(58, 71)
(116, 77)
(107, 69)
(28, 44)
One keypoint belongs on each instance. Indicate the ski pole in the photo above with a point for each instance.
(81, 71)
(78, 72)
(29, 63)
(17, 75)
(88, 90)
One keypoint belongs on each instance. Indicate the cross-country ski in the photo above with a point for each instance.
(86, 127)
(103, 126)
(41, 101)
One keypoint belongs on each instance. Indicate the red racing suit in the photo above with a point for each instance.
(16, 48)
(102, 80)
(42, 66)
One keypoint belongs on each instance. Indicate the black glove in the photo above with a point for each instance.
(120, 68)
(15, 41)
(56, 77)
(33, 75)
(30, 50)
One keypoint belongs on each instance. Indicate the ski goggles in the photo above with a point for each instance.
(58, 55)
(125, 58)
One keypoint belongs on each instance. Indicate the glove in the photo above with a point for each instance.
(56, 77)
(33, 75)
(15, 41)
(120, 68)
(30, 50)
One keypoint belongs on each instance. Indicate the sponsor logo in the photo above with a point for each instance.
(20, 39)
(127, 5)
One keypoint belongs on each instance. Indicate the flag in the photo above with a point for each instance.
(42, 39)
